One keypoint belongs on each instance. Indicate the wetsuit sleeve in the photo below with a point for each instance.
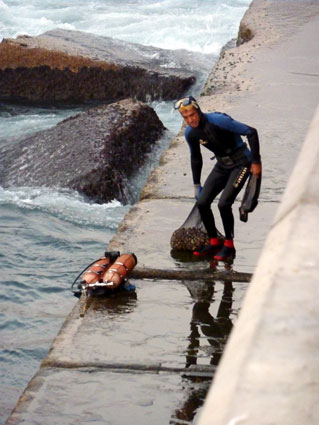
(228, 123)
(253, 141)
(196, 157)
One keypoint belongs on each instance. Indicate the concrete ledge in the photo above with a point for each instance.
(269, 373)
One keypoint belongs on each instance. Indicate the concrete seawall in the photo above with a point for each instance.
(270, 82)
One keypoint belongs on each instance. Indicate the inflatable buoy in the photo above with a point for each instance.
(106, 274)
(119, 270)
(95, 272)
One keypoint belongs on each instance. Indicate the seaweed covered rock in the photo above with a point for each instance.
(94, 152)
(62, 66)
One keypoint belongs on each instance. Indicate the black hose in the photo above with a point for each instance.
(111, 254)
(91, 264)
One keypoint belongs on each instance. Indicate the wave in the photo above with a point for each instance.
(198, 26)
(64, 204)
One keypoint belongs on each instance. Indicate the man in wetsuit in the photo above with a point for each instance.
(220, 134)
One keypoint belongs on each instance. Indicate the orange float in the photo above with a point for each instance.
(119, 270)
(105, 274)
(95, 272)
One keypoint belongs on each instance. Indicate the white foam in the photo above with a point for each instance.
(65, 204)
(201, 26)
(3, 5)
(21, 122)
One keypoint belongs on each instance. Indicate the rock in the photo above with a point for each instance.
(94, 152)
(73, 67)
(245, 34)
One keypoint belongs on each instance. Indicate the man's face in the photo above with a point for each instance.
(191, 116)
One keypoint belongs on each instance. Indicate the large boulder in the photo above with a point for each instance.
(62, 66)
(94, 152)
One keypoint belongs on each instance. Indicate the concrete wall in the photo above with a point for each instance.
(269, 373)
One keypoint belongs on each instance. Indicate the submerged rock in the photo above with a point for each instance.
(62, 66)
(94, 152)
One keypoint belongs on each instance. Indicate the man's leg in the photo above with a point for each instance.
(214, 184)
(235, 183)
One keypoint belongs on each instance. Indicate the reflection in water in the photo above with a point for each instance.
(114, 304)
(203, 328)
(185, 256)
(216, 330)
(196, 388)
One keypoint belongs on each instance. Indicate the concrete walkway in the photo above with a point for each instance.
(267, 373)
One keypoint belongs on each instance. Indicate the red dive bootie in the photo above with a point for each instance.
(227, 253)
(214, 244)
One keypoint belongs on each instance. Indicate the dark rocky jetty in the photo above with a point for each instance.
(61, 66)
(94, 152)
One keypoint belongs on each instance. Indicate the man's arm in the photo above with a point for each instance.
(196, 158)
(253, 140)
(228, 123)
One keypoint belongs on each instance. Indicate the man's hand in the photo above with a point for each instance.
(255, 169)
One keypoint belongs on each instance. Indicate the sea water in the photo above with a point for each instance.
(48, 236)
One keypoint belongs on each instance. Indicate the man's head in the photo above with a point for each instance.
(190, 110)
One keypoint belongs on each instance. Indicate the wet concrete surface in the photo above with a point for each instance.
(150, 328)
(99, 397)
(148, 355)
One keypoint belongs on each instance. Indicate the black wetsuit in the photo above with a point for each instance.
(221, 134)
